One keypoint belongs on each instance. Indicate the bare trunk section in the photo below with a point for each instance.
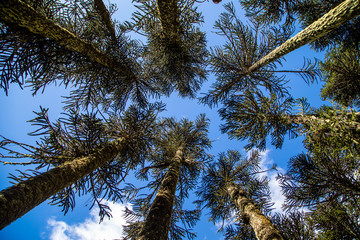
(105, 16)
(337, 123)
(20, 14)
(157, 223)
(169, 19)
(263, 228)
(17, 200)
(327, 23)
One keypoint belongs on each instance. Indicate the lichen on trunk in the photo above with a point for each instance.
(157, 223)
(169, 19)
(327, 23)
(263, 228)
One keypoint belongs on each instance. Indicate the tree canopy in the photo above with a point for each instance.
(113, 141)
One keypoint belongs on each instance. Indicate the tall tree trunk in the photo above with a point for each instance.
(105, 16)
(20, 14)
(337, 123)
(263, 228)
(157, 223)
(169, 18)
(327, 23)
(17, 200)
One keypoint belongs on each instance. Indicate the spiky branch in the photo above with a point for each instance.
(20, 14)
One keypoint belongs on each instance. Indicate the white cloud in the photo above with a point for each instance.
(276, 195)
(90, 229)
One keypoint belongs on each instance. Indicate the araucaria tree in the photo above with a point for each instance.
(231, 187)
(176, 48)
(246, 62)
(178, 157)
(254, 116)
(81, 47)
(244, 47)
(325, 179)
(71, 44)
(84, 153)
(78, 44)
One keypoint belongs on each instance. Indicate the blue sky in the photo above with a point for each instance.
(48, 222)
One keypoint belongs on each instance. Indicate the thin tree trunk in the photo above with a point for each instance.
(169, 18)
(327, 23)
(263, 228)
(20, 14)
(157, 223)
(20, 198)
(105, 16)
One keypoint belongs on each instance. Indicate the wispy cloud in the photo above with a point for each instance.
(90, 229)
(276, 195)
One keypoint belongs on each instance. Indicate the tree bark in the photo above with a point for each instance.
(20, 198)
(20, 14)
(263, 228)
(169, 18)
(157, 223)
(336, 122)
(105, 16)
(327, 23)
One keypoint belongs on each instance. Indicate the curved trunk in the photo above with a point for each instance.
(20, 14)
(327, 23)
(157, 223)
(169, 18)
(263, 228)
(20, 198)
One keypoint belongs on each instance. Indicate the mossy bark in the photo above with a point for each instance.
(337, 123)
(20, 14)
(106, 18)
(327, 23)
(169, 19)
(20, 198)
(263, 228)
(157, 223)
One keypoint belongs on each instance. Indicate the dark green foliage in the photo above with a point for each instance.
(30, 56)
(192, 137)
(176, 64)
(239, 230)
(336, 128)
(26, 56)
(256, 104)
(254, 116)
(329, 171)
(244, 46)
(268, 11)
(231, 168)
(336, 220)
(341, 70)
(295, 225)
(77, 135)
(313, 179)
